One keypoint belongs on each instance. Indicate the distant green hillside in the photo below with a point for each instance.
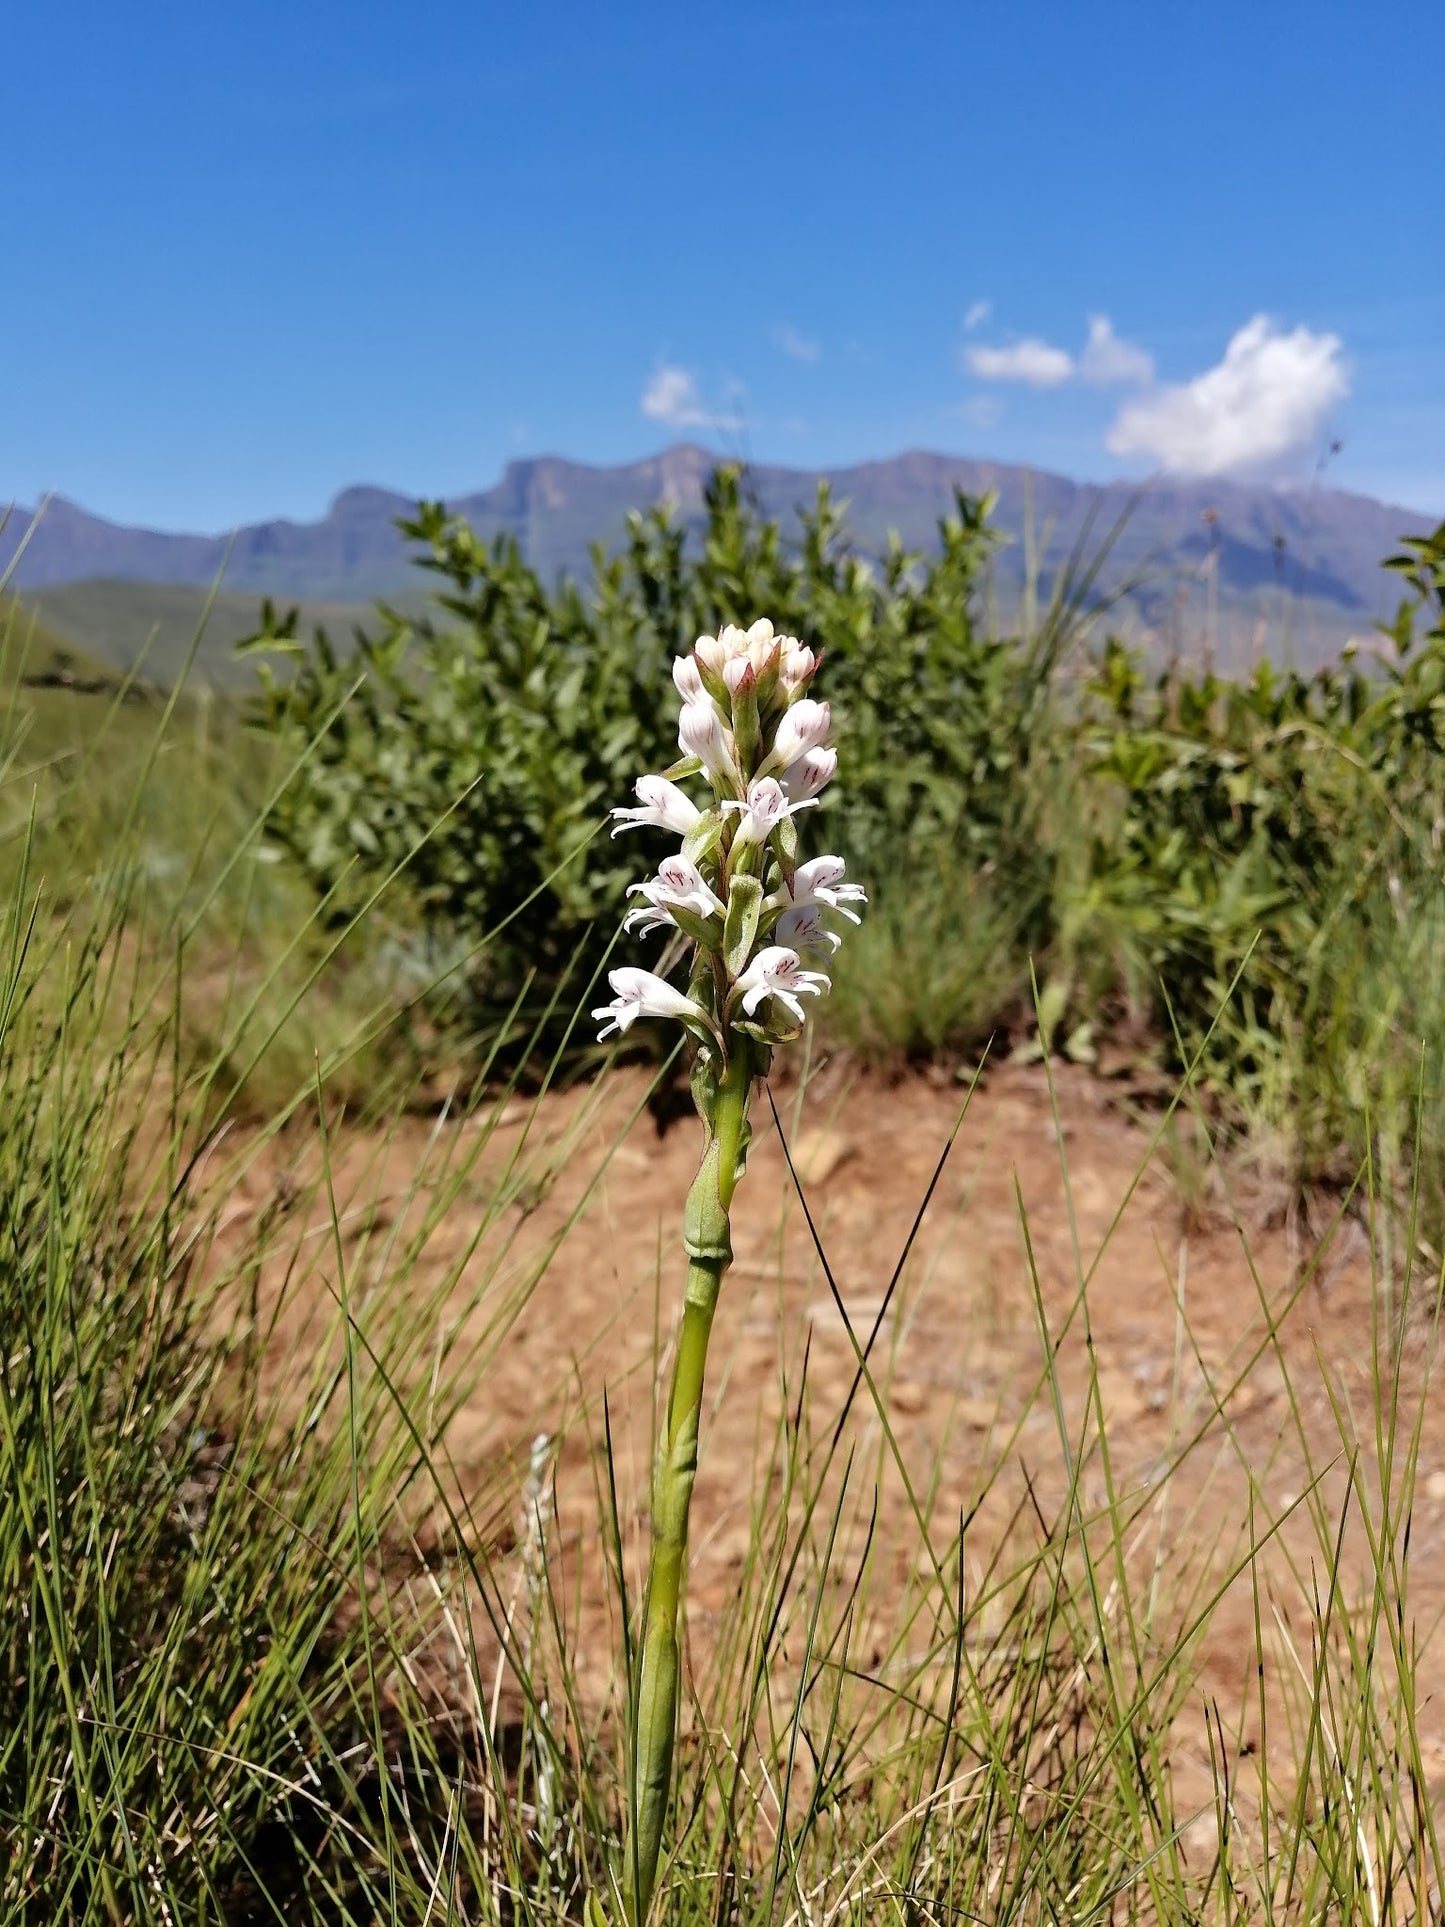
(57, 701)
(153, 625)
(34, 650)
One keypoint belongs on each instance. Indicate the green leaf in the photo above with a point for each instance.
(747, 726)
(740, 929)
(703, 838)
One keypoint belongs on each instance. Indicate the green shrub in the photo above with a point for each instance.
(1228, 858)
(477, 753)
(1270, 861)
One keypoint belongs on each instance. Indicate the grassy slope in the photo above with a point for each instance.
(32, 646)
(153, 625)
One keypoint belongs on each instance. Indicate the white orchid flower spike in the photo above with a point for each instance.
(747, 915)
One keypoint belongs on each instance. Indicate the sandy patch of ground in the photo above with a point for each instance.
(568, 1279)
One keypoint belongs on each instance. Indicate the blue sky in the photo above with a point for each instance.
(257, 252)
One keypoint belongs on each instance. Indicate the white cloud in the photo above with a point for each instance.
(1266, 401)
(672, 397)
(975, 315)
(1106, 359)
(792, 343)
(1035, 362)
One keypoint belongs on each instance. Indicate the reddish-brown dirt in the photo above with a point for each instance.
(1184, 1268)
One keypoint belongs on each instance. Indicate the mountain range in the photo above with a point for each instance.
(1237, 568)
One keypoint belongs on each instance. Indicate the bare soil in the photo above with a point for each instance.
(1058, 1226)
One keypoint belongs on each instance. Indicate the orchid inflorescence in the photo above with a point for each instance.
(752, 915)
(754, 921)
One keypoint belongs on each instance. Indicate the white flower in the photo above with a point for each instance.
(821, 881)
(664, 807)
(778, 972)
(761, 643)
(700, 733)
(734, 671)
(679, 883)
(799, 664)
(810, 773)
(638, 993)
(801, 728)
(713, 651)
(734, 645)
(686, 676)
(765, 809)
(801, 928)
(730, 644)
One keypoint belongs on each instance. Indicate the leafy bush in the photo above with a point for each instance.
(476, 754)
(1230, 807)
(1273, 846)
(1238, 861)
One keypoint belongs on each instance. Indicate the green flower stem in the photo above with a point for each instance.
(709, 1248)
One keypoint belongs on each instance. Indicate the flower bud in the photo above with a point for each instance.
(700, 733)
(810, 773)
(804, 727)
(763, 648)
(801, 728)
(712, 652)
(799, 666)
(688, 678)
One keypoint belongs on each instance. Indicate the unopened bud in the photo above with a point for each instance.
(700, 733)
